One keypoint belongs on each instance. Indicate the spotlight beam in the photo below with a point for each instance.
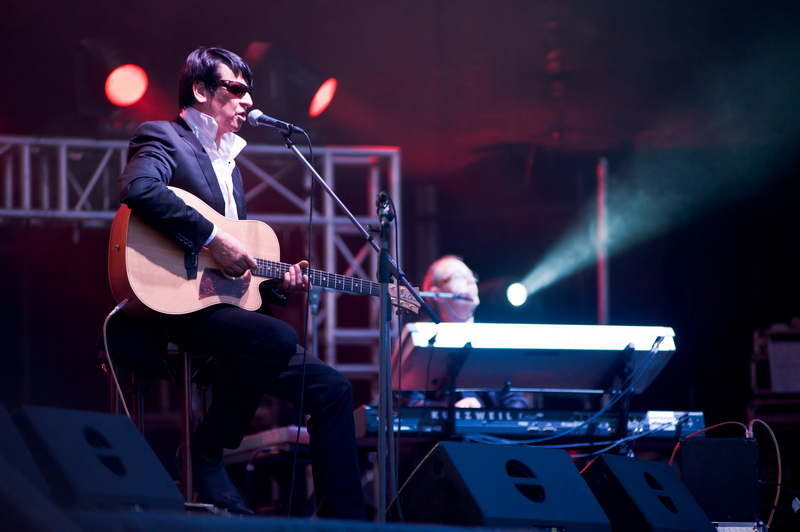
(660, 190)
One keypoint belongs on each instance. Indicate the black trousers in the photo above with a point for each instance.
(258, 354)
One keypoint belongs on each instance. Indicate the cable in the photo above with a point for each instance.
(456, 314)
(776, 507)
(795, 499)
(625, 440)
(488, 439)
(778, 455)
(627, 386)
(678, 445)
(108, 355)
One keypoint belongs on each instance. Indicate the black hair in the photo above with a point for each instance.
(202, 65)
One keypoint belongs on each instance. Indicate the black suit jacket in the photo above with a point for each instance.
(165, 154)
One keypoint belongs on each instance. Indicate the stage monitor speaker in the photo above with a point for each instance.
(473, 484)
(643, 496)
(15, 451)
(97, 461)
(722, 475)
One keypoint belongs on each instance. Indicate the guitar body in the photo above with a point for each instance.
(148, 269)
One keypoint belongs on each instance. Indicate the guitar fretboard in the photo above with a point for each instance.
(276, 270)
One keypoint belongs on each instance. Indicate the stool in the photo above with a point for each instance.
(176, 367)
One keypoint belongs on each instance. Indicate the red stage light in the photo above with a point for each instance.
(126, 85)
(322, 98)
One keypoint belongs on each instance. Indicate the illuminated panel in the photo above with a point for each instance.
(535, 336)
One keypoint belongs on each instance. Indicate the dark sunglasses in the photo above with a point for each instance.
(234, 87)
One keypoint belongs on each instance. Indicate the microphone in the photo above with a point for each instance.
(257, 118)
(382, 200)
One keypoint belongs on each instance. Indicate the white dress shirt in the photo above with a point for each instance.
(222, 157)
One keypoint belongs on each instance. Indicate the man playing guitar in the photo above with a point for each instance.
(258, 353)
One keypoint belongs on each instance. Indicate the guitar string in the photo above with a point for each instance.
(274, 269)
(332, 280)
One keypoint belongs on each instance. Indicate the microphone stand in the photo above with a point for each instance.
(387, 268)
(385, 411)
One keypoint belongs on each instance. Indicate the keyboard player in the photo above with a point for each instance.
(452, 290)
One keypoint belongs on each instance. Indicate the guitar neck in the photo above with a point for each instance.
(276, 270)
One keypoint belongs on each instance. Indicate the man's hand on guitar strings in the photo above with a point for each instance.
(230, 255)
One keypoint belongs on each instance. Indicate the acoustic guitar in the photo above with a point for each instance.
(150, 271)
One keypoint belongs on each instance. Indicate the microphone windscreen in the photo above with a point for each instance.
(252, 117)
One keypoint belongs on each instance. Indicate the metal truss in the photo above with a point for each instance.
(76, 179)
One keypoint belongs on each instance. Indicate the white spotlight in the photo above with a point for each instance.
(517, 294)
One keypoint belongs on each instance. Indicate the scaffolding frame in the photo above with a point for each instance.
(76, 179)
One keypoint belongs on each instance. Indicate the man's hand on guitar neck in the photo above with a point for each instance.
(294, 280)
(230, 255)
